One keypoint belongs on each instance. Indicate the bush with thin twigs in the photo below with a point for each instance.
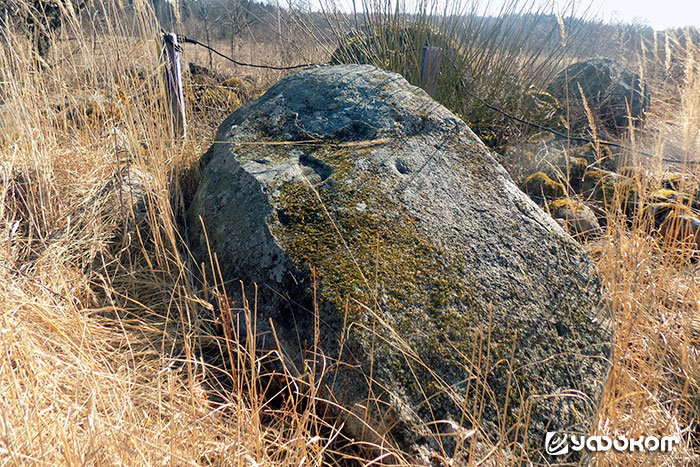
(501, 59)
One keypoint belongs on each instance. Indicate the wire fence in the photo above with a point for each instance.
(434, 70)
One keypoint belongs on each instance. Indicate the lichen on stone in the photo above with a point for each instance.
(540, 187)
(348, 195)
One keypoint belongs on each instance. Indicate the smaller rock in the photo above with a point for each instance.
(576, 167)
(578, 218)
(681, 229)
(600, 155)
(655, 213)
(209, 90)
(546, 110)
(608, 187)
(541, 188)
(665, 195)
(199, 70)
(242, 87)
(672, 181)
(206, 93)
(683, 182)
(613, 93)
(95, 109)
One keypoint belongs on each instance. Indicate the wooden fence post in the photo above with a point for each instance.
(173, 82)
(430, 68)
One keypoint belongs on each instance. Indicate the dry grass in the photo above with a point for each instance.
(108, 343)
(653, 285)
(654, 382)
(258, 53)
(103, 334)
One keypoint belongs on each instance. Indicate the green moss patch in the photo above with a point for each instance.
(365, 245)
(608, 188)
(540, 187)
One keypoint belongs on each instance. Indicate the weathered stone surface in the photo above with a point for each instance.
(436, 275)
(681, 229)
(542, 188)
(577, 217)
(613, 93)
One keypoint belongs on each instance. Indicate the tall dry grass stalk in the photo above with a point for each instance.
(655, 379)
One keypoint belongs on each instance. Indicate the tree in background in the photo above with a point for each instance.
(37, 19)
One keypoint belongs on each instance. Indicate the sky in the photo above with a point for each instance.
(659, 14)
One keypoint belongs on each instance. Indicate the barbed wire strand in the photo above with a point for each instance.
(186, 40)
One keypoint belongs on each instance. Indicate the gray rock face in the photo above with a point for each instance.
(613, 93)
(578, 218)
(437, 278)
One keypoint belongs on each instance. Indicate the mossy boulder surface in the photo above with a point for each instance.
(608, 188)
(541, 188)
(577, 167)
(434, 274)
(209, 90)
(578, 218)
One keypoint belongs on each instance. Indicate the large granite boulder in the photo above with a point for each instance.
(614, 95)
(436, 278)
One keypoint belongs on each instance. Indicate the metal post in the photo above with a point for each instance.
(430, 68)
(173, 82)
